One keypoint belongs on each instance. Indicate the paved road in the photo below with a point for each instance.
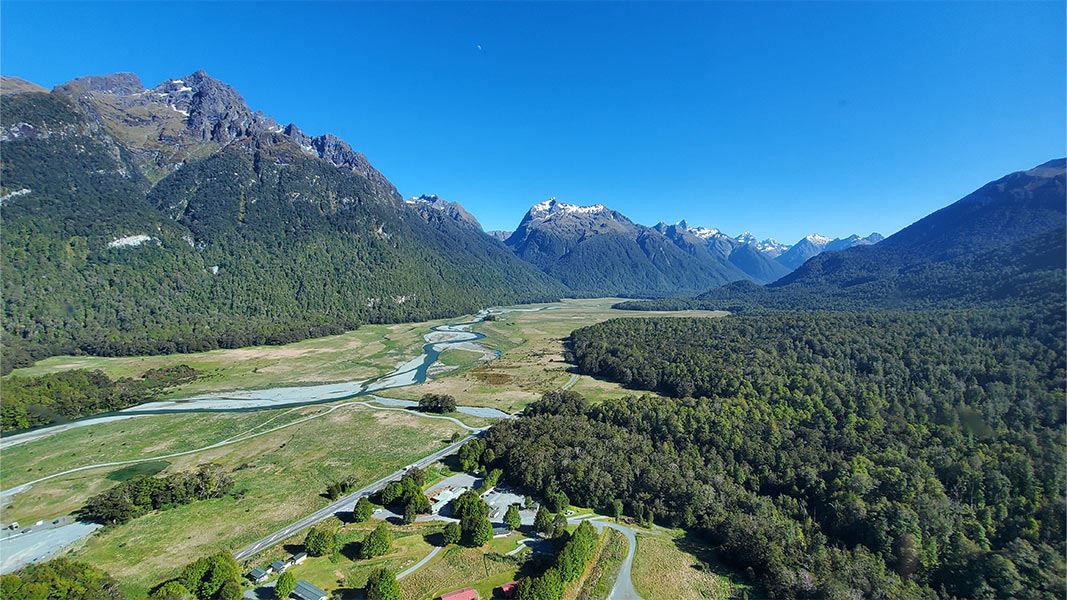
(418, 565)
(570, 382)
(342, 505)
(624, 583)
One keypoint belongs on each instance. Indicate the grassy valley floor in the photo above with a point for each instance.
(278, 478)
(281, 475)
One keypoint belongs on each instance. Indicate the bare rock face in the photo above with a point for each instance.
(195, 116)
(216, 111)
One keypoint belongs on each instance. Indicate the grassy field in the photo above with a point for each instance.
(670, 565)
(457, 567)
(278, 477)
(344, 571)
(531, 344)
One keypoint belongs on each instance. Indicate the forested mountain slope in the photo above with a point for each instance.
(254, 233)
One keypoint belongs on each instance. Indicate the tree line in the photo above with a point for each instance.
(57, 397)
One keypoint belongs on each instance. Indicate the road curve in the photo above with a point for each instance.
(418, 565)
(624, 583)
(570, 382)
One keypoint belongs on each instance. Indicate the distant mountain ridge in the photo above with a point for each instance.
(815, 244)
(596, 250)
(1003, 241)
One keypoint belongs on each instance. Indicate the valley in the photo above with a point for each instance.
(533, 301)
(286, 441)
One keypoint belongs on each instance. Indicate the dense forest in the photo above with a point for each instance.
(56, 397)
(887, 455)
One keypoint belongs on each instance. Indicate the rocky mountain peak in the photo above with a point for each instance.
(215, 111)
(428, 204)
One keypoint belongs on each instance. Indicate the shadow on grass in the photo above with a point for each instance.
(710, 561)
(351, 550)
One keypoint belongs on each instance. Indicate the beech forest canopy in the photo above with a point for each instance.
(826, 454)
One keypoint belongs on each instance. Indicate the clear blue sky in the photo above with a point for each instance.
(778, 118)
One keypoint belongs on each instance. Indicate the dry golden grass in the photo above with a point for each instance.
(666, 567)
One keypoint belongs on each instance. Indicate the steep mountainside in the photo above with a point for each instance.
(1004, 241)
(596, 250)
(757, 265)
(176, 219)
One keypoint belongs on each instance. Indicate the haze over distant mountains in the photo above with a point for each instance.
(1005, 242)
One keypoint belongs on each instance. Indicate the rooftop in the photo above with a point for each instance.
(307, 591)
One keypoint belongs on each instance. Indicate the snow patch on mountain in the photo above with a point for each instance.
(552, 207)
(129, 241)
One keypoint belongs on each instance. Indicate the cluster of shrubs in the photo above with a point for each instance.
(140, 495)
(215, 577)
(437, 403)
(406, 495)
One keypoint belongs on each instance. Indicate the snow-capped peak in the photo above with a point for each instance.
(424, 199)
(552, 207)
(701, 232)
(818, 240)
(747, 238)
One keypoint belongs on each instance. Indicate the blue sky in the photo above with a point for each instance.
(778, 118)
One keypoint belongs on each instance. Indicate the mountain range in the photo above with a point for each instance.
(595, 250)
(177, 219)
(1005, 242)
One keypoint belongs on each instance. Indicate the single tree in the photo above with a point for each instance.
(409, 514)
(382, 585)
(543, 521)
(492, 479)
(390, 493)
(231, 590)
(285, 585)
(452, 533)
(376, 543)
(319, 542)
(171, 590)
(559, 525)
(512, 518)
(481, 533)
(362, 510)
(616, 509)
